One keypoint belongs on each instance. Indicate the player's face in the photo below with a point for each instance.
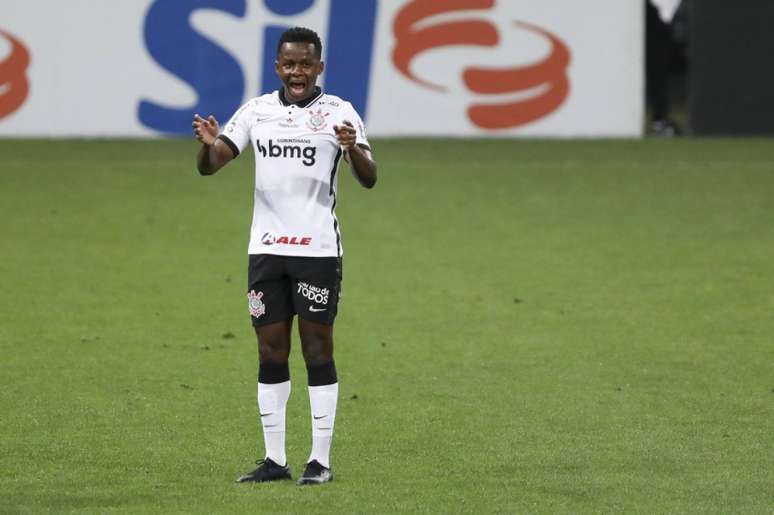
(298, 68)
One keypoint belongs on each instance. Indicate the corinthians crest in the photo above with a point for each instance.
(257, 307)
(317, 121)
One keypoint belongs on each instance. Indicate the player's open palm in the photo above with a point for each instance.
(205, 130)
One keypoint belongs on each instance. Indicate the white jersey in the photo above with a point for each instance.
(296, 160)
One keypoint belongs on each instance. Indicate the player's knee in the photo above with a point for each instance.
(272, 373)
(318, 350)
(269, 355)
(273, 351)
(316, 343)
(322, 374)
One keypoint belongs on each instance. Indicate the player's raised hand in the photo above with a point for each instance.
(205, 130)
(345, 134)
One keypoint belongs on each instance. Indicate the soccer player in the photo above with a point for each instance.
(298, 135)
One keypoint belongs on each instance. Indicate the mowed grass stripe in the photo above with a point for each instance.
(526, 327)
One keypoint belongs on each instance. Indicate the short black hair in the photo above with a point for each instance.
(301, 35)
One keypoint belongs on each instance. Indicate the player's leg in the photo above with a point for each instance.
(316, 302)
(317, 346)
(274, 386)
(271, 310)
(273, 394)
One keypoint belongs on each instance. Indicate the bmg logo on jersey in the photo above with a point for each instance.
(289, 150)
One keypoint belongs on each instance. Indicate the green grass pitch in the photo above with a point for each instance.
(526, 327)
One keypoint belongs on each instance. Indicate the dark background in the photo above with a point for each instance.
(731, 76)
(720, 70)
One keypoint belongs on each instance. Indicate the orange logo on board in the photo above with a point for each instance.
(414, 35)
(14, 86)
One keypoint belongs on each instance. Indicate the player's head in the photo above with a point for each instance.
(301, 35)
(298, 64)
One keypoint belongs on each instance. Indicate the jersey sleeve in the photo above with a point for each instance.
(361, 138)
(236, 133)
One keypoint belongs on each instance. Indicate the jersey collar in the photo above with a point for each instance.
(303, 103)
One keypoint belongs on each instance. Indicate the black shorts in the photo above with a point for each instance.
(279, 287)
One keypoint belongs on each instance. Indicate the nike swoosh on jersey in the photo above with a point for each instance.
(318, 418)
(315, 310)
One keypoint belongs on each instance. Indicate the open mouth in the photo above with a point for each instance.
(296, 87)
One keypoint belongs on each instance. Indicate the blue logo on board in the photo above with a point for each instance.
(217, 77)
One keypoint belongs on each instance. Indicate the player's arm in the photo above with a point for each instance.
(359, 158)
(214, 154)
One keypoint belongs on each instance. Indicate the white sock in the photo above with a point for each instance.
(272, 399)
(322, 400)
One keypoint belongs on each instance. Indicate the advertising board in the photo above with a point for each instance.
(410, 67)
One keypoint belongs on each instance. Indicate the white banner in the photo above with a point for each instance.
(422, 67)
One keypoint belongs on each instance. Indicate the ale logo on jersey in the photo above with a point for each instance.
(415, 33)
(270, 239)
(14, 86)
